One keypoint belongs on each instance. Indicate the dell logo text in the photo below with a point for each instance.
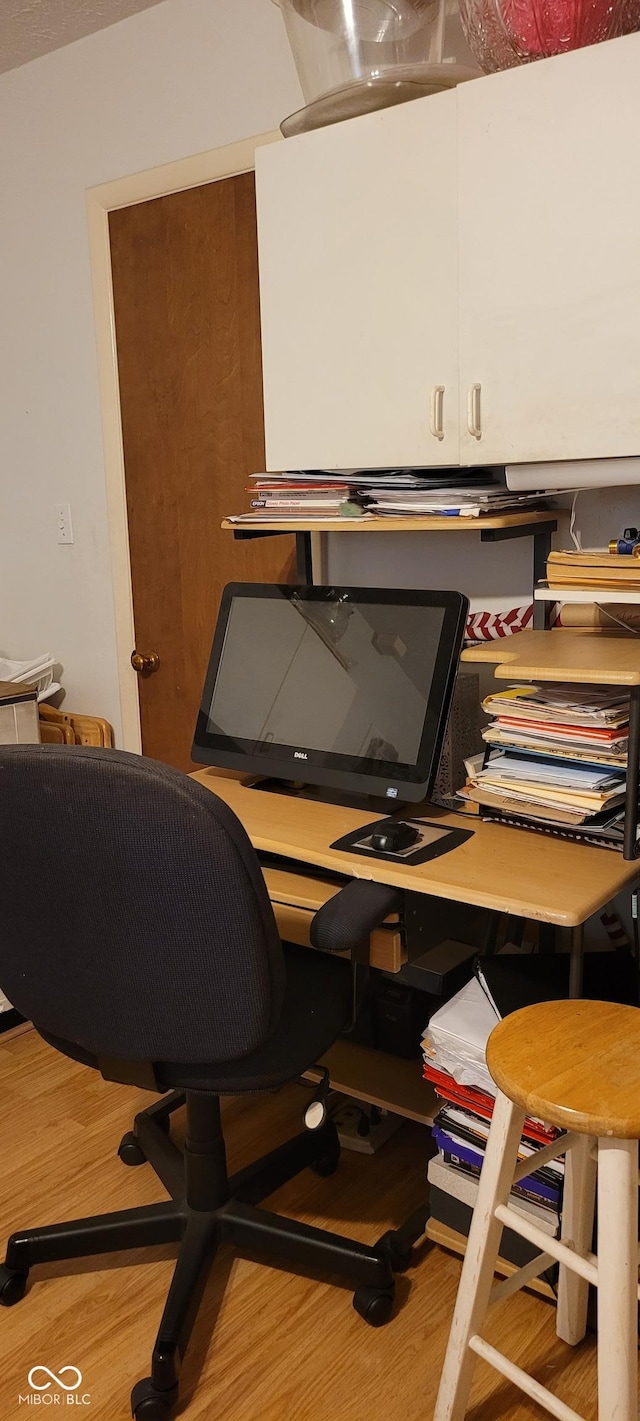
(300, 755)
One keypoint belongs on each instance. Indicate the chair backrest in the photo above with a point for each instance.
(134, 918)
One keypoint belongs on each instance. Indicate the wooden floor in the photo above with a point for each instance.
(267, 1346)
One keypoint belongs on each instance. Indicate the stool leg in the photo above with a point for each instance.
(617, 1280)
(480, 1258)
(577, 1232)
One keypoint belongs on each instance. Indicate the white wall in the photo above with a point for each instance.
(178, 79)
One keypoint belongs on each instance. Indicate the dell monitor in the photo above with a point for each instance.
(343, 687)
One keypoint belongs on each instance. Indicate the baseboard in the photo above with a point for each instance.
(13, 1024)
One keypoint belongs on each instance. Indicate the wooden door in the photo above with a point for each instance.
(358, 280)
(549, 269)
(185, 281)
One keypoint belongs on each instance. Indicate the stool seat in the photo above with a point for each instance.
(573, 1064)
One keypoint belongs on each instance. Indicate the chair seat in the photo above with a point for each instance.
(573, 1064)
(316, 1009)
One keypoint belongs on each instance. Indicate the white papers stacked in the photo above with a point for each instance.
(456, 1038)
(456, 502)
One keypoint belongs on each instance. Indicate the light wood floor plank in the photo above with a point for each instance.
(283, 1348)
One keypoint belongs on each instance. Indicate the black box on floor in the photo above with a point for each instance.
(457, 1216)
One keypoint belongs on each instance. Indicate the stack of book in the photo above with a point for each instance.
(557, 760)
(300, 495)
(454, 1050)
(352, 493)
(594, 568)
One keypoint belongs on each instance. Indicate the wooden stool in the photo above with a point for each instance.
(575, 1065)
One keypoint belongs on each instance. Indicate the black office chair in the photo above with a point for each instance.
(138, 937)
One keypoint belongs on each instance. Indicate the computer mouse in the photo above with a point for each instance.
(390, 838)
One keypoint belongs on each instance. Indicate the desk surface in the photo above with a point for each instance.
(526, 874)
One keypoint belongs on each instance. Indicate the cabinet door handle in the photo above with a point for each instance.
(474, 415)
(436, 412)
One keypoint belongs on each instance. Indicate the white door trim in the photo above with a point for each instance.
(124, 192)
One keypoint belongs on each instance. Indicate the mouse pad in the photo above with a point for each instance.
(434, 840)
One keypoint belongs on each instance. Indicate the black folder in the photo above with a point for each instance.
(515, 980)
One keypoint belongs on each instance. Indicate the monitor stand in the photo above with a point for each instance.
(322, 794)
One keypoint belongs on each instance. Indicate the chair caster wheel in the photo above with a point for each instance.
(147, 1404)
(13, 1286)
(129, 1150)
(375, 1305)
(398, 1253)
(326, 1164)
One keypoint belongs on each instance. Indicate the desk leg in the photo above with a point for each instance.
(304, 559)
(541, 610)
(575, 965)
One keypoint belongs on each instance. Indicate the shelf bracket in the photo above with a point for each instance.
(542, 534)
(304, 557)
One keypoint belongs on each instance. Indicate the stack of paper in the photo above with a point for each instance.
(458, 501)
(456, 1038)
(347, 493)
(559, 757)
(594, 568)
(454, 1047)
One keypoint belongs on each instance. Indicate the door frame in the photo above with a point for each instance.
(195, 171)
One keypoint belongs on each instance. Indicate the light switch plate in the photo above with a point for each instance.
(64, 525)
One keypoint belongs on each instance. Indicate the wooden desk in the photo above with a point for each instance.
(526, 875)
(510, 871)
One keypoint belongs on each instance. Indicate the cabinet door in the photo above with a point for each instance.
(549, 246)
(358, 280)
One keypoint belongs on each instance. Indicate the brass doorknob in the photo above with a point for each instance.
(145, 665)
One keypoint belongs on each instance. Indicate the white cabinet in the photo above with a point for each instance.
(358, 281)
(457, 280)
(549, 245)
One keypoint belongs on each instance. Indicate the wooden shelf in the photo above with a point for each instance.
(594, 657)
(585, 595)
(383, 1080)
(395, 525)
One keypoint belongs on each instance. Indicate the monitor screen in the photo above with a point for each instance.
(324, 683)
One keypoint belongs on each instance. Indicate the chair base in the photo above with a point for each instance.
(207, 1209)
